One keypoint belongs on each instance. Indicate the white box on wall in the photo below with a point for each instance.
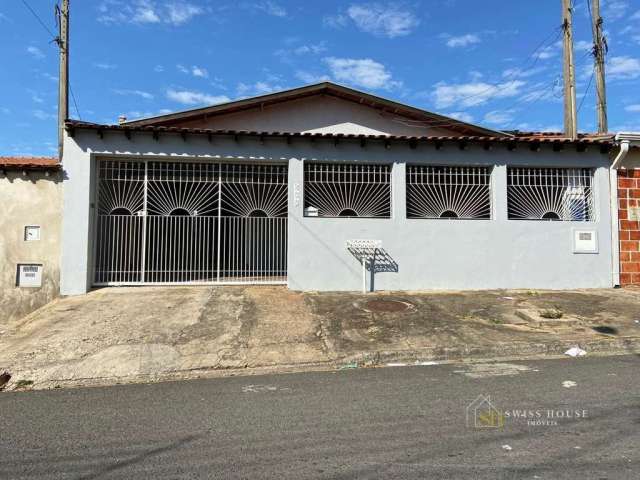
(585, 241)
(31, 233)
(29, 275)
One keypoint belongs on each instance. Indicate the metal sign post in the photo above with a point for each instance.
(365, 251)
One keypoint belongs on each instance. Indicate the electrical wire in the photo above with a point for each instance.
(75, 103)
(56, 39)
(586, 92)
(33, 12)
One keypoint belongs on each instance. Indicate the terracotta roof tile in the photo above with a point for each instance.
(29, 163)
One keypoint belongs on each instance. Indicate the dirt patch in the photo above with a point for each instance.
(385, 305)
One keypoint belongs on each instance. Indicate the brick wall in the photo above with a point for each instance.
(629, 198)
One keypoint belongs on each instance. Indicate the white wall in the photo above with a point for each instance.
(431, 254)
(318, 114)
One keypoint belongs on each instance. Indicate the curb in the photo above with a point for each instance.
(436, 355)
(508, 351)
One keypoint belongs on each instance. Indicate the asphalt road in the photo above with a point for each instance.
(401, 422)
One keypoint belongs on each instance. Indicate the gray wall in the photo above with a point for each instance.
(34, 199)
(431, 254)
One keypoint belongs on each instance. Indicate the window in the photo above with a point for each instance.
(341, 190)
(448, 192)
(554, 194)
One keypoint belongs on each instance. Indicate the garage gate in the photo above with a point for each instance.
(190, 223)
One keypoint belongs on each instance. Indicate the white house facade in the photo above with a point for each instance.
(301, 187)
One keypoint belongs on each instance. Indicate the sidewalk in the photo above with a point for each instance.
(144, 334)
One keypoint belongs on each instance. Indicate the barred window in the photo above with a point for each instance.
(347, 190)
(550, 194)
(448, 192)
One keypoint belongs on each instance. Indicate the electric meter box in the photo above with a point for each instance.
(29, 275)
(585, 241)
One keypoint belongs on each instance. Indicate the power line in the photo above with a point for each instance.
(56, 39)
(586, 91)
(75, 104)
(33, 12)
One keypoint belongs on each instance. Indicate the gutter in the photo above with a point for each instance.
(625, 140)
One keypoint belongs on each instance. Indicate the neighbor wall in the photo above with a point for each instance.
(29, 198)
(629, 219)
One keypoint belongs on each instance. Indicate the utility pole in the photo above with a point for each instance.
(599, 53)
(569, 73)
(63, 82)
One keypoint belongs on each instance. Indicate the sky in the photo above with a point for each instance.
(497, 63)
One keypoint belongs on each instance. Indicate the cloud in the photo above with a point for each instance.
(389, 20)
(176, 13)
(363, 72)
(269, 7)
(615, 9)
(335, 21)
(42, 115)
(187, 97)
(5, 110)
(104, 66)
(499, 117)
(35, 96)
(462, 116)
(139, 93)
(623, 68)
(158, 69)
(199, 72)
(258, 88)
(549, 51)
(521, 73)
(181, 12)
(287, 54)
(51, 78)
(35, 52)
(308, 77)
(474, 93)
(193, 70)
(543, 92)
(633, 108)
(463, 40)
(583, 46)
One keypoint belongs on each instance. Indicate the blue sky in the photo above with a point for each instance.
(496, 62)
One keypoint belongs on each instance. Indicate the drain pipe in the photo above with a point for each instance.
(625, 140)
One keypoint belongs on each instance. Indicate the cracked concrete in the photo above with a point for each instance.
(144, 333)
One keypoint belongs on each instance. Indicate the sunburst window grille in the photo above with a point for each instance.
(347, 190)
(254, 190)
(550, 194)
(121, 187)
(448, 192)
(182, 189)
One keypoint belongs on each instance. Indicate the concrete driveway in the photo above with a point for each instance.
(146, 334)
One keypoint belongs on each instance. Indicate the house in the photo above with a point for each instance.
(31, 219)
(269, 190)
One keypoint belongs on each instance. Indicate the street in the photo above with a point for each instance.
(396, 422)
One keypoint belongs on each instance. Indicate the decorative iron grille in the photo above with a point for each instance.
(347, 190)
(190, 222)
(254, 190)
(448, 192)
(182, 189)
(561, 194)
(121, 187)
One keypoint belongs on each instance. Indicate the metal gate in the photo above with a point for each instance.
(190, 223)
